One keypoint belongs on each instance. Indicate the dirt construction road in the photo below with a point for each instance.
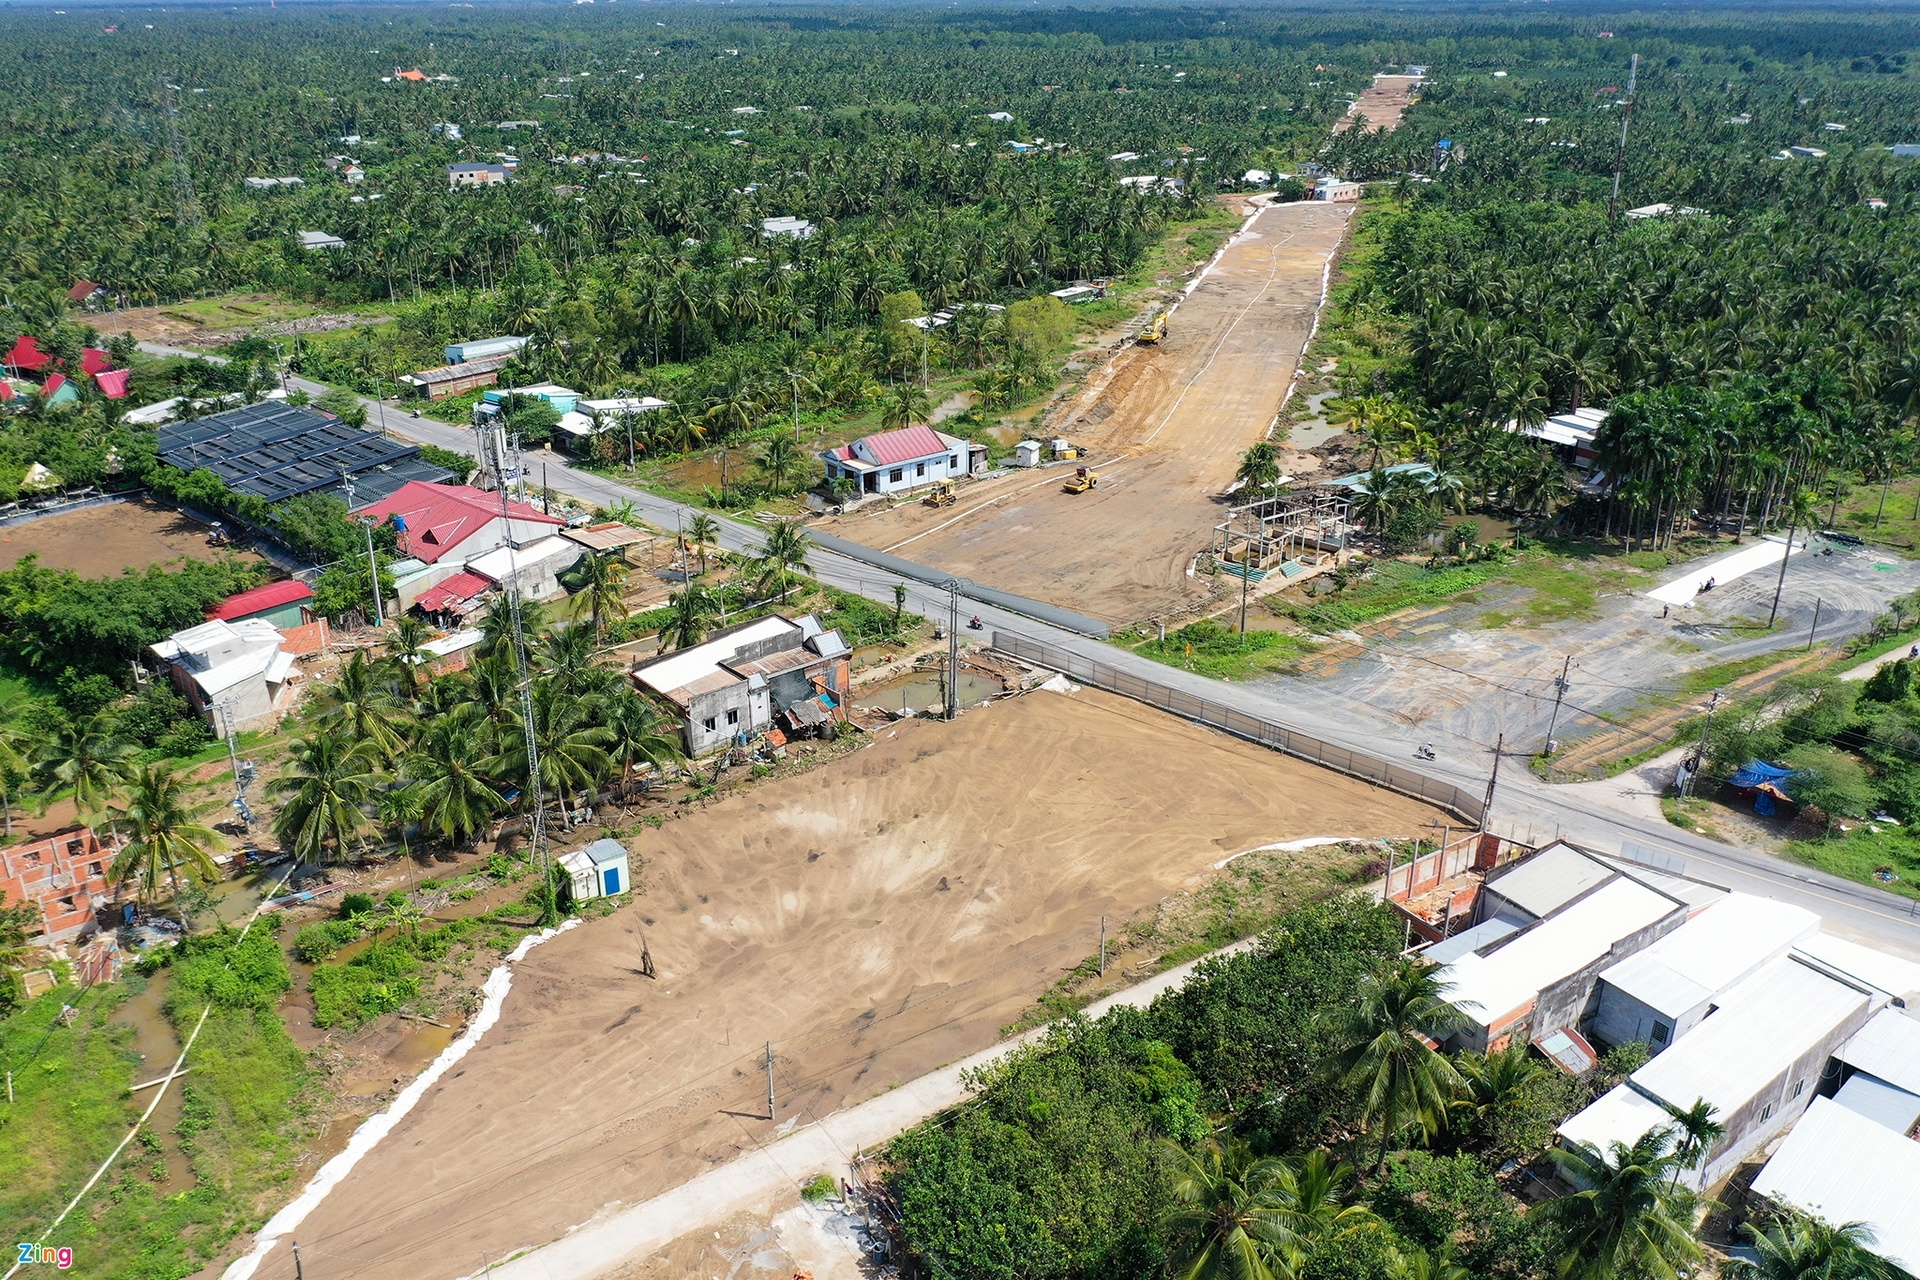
(875, 919)
(1166, 426)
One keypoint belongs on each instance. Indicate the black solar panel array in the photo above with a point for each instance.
(278, 451)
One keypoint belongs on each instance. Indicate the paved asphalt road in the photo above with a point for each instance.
(1523, 804)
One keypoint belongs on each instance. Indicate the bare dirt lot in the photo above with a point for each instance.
(98, 542)
(874, 919)
(1166, 427)
(1380, 104)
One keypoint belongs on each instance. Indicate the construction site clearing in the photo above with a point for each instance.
(1165, 426)
(837, 932)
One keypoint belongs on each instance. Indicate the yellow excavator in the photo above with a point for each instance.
(1084, 478)
(1156, 330)
(941, 495)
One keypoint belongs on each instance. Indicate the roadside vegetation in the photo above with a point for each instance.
(1282, 1115)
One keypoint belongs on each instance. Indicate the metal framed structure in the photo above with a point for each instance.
(1284, 527)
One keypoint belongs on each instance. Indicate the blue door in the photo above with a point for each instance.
(612, 879)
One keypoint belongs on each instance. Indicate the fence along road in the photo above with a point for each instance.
(1524, 807)
(1469, 806)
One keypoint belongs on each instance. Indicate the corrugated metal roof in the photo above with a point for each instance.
(1711, 952)
(260, 599)
(1549, 879)
(1845, 1168)
(1884, 1104)
(1763, 1026)
(1888, 1047)
(1487, 931)
(1621, 1114)
(1889, 973)
(458, 589)
(1489, 987)
(908, 444)
(680, 669)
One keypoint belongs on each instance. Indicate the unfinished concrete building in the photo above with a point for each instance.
(1294, 533)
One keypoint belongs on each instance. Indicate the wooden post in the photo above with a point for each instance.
(1103, 947)
(299, 1273)
(770, 1080)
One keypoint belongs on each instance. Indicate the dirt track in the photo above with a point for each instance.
(1166, 426)
(1381, 104)
(874, 919)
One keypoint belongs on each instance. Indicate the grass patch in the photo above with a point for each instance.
(1389, 587)
(1707, 679)
(1867, 856)
(1690, 814)
(1213, 650)
(237, 1126)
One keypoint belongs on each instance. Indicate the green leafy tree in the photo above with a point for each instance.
(1259, 468)
(1231, 1210)
(783, 554)
(361, 704)
(455, 798)
(690, 611)
(703, 532)
(1699, 1133)
(599, 585)
(86, 755)
(19, 926)
(406, 651)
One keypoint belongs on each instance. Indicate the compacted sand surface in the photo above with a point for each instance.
(874, 919)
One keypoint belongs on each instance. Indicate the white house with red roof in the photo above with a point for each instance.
(456, 524)
(893, 461)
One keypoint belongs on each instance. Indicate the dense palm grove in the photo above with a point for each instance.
(1754, 344)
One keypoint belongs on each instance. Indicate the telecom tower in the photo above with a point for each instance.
(504, 454)
(1626, 118)
(186, 205)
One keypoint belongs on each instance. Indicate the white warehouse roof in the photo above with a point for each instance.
(1491, 986)
(1845, 1168)
(1887, 1047)
(1877, 969)
(1763, 1026)
(1711, 952)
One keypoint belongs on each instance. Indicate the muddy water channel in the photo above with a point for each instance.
(154, 1040)
(920, 691)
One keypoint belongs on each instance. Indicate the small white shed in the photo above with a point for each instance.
(579, 869)
(609, 858)
(1027, 453)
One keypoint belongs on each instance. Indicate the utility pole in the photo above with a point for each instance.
(1486, 809)
(537, 824)
(1815, 628)
(298, 1272)
(1700, 754)
(1246, 584)
(1780, 584)
(1620, 157)
(1559, 692)
(795, 379)
(241, 776)
(373, 568)
(769, 1079)
(1103, 946)
(953, 648)
(186, 205)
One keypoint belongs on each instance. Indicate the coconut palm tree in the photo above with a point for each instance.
(1699, 1131)
(407, 653)
(784, 554)
(780, 458)
(1387, 1055)
(496, 629)
(703, 532)
(16, 758)
(1407, 1262)
(637, 732)
(162, 837)
(329, 782)
(1797, 1246)
(600, 591)
(904, 404)
(455, 798)
(690, 612)
(1493, 1081)
(360, 703)
(571, 747)
(1627, 1219)
(85, 755)
(1233, 1209)
(1259, 468)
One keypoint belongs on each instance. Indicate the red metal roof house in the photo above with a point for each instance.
(893, 461)
(281, 603)
(442, 520)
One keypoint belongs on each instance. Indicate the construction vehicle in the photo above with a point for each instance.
(1156, 330)
(1084, 478)
(941, 495)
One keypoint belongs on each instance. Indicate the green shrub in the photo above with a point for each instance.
(355, 904)
(821, 1188)
(318, 941)
(378, 980)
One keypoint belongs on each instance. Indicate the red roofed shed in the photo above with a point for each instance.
(275, 601)
(27, 355)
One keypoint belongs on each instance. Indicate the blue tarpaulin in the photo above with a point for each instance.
(1755, 772)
